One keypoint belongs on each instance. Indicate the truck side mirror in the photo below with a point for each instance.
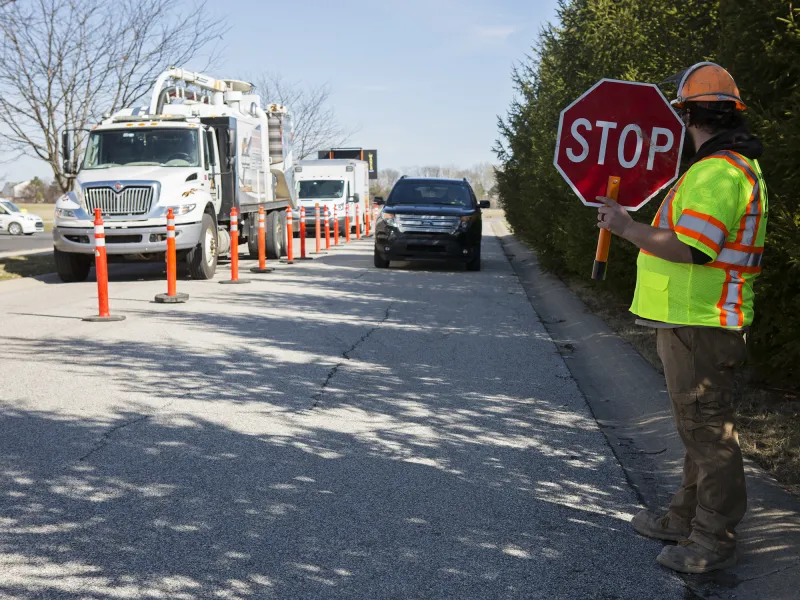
(66, 153)
(355, 198)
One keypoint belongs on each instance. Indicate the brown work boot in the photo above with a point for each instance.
(690, 557)
(660, 527)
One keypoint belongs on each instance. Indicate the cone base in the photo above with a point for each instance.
(305, 258)
(287, 262)
(599, 271)
(258, 270)
(318, 253)
(99, 319)
(238, 281)
(167, 299)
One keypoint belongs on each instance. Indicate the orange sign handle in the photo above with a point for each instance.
(604, 241)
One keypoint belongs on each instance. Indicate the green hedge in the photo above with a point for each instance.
(648, 40)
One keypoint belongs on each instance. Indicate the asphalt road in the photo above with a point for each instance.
(328, 431)
(37, 241)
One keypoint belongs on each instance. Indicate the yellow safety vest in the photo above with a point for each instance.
(719, 207)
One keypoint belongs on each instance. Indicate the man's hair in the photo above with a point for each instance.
(713, 117)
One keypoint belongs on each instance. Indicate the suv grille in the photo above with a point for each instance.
(427, 223)
(133, 200)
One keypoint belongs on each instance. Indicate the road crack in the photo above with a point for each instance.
(105, 439)
(347, 356)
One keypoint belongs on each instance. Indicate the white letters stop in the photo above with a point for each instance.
(626, 162)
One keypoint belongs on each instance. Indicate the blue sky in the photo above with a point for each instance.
(422, 80)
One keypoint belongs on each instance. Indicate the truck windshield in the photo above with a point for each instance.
(324, 188)
(157, 146)
(428, 193)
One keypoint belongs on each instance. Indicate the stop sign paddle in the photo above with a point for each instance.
(620, 139)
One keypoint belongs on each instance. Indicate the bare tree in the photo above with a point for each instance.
(315, 123)
(482, 177)
(63, 63)
(386, 180)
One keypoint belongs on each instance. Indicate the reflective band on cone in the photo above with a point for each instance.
(262, 244)
(367, 218)
(172, 296)
(101, 270)
(235, 250)
(358, 224)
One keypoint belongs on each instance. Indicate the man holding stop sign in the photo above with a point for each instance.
(697, 264)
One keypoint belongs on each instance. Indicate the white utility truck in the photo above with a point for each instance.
(202, 147)
(333, 183)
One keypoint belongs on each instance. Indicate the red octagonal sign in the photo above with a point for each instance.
(623, 129)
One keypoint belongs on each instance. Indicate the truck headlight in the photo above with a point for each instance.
(183, 209)
(65, 213)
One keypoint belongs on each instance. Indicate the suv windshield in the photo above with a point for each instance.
(326, 188)
(428, 193)
(158, 147)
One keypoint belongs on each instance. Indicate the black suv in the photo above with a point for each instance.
(428, 219)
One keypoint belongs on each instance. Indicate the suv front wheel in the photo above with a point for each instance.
(379, 261)
(475, 263)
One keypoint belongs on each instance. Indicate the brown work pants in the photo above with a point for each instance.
(699, 365)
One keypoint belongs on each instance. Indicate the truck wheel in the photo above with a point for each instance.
(70, 267)
(379, 261)
(202, 259)
(284, 241)
(15, 229)
(275, 234)
(252, 238)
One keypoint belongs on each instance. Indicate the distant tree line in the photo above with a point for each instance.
(649, 40)
(481, 177)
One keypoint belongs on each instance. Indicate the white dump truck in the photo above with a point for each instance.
(201, 147)
(332, 183)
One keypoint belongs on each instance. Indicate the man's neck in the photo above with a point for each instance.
(699, 137)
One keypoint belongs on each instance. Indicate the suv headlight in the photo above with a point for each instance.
(467, 221)
(388, 218)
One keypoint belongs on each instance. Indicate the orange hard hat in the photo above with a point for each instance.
(707, 82)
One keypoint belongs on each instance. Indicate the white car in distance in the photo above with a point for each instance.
(16, 222)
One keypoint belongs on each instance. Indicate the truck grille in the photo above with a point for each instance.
(133, 200)
(427, 224)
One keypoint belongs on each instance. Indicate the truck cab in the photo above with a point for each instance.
(134, 171)
(339, 184)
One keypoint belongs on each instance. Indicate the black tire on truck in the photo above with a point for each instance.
(275, 234)
(202, 259)
(71, 267)
(252, 235)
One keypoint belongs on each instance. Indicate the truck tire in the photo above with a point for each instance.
(202, 259)
(252, 237)
(70, 267)
(275, 234)
(284, 240)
